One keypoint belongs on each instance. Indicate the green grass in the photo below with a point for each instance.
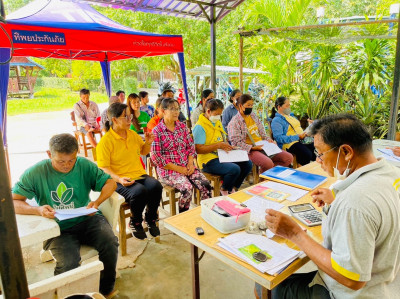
(49, 99)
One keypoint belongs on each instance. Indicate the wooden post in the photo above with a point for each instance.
(12, 271)
(394, 106)
(241, 63)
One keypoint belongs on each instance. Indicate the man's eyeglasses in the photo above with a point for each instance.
(174, 109)
(319, 156)
(127, 117)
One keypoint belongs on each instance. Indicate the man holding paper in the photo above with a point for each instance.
(64, 182)
(359, 254)
(210, 141)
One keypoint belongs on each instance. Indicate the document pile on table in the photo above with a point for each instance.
(244, 246)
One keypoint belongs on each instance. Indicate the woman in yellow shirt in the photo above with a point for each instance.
(209, 136)
(246, 124)
(118, 154)
(288, 133)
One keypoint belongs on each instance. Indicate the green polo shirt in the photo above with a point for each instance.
(62, 190)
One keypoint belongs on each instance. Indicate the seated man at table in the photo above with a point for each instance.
(359, 254)
(64, 182)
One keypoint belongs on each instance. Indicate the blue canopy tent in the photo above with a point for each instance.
(68, 30)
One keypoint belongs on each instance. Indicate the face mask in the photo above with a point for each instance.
(287, 111)
(247, 111)
(215, 118)
(336, 172)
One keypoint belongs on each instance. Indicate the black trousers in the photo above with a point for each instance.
(95, 232)
(142, 193)
(304, 152)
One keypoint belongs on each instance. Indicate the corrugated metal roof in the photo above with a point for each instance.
(205, 70)
(194, 9)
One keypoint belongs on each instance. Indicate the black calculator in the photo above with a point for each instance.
(306, 213)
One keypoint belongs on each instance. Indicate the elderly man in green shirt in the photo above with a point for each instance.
(64, 182)
(361, 231)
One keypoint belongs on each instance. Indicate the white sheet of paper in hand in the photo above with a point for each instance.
(269, 148)
(73, 213)
(232, 156)
(258, 205)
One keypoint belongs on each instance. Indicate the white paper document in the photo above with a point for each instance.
(295, 193)
(243, 245)
(389, 152)
(258, 205)
(232, 156)
(269, 148)
(73, 213)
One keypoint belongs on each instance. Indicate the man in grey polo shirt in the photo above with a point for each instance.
(359, 257)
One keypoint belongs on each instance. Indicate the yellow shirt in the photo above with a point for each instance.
(253, 129)
(294, 129)
(121, 155)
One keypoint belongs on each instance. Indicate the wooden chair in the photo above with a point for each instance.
(81, 138)
(256, 174)
(110, 209)
(124, 231)
(170, 192)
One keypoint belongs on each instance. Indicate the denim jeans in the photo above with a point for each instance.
(296, 286)
(233, 174)
(95, 232)
(144, 192)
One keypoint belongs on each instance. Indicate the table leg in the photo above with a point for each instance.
(195, 272)
(266, 294)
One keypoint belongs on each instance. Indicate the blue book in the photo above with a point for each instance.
(293, 177)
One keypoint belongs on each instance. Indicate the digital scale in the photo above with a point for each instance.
(306, 213)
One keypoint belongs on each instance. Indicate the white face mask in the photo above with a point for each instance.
(336, 172)
(215, 118)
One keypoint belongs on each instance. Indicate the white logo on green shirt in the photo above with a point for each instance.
(63, 196)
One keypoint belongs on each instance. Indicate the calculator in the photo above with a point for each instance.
(306, 213)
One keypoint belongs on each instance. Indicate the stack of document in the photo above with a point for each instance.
(73, 213)
(269, 148)
(244, 245)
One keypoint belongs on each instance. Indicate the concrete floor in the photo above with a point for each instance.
(150, 270)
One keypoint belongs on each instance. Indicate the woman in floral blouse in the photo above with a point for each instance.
(173, 153)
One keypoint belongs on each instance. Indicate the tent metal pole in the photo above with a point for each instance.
(241, 63)
(213, 48)
(12, 271)
(394, 106)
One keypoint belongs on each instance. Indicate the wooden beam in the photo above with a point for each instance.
(241, 63)
(261, 31)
